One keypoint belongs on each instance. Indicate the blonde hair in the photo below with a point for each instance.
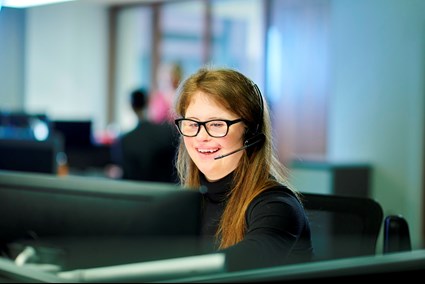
(259, 167)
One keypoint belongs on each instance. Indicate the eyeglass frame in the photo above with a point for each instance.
(203, 123)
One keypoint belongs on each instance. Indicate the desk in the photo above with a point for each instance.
(369, 268)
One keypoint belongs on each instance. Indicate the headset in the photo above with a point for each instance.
(252, 138)
(257, 136)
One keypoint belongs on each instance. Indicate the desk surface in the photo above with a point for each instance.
(359, 268)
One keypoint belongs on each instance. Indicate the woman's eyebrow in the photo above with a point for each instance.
(208, 119)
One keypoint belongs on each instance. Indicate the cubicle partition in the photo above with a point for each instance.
(29, 155)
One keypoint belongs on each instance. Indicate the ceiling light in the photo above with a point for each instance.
(29, 3)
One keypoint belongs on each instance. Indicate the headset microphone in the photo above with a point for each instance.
(248, 143)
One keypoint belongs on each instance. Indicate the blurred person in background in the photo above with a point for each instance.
(147, 152)
(161, 101)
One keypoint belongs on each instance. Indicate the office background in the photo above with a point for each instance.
(365, 58)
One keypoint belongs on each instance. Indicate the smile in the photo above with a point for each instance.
(207, 151)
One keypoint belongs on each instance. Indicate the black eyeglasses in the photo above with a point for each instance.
(215, 128)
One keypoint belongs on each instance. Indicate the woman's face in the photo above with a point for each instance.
(203, 148)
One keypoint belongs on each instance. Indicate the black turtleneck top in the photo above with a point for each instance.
(277, 230)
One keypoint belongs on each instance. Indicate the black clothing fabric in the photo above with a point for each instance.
(147, 152)
(278, 230)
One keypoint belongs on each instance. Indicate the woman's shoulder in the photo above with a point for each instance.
(277, 204)
(277, 194)
(278, 190)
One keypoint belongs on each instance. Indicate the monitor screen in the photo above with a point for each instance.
(76, 133)
(80, 222)
(24, 126)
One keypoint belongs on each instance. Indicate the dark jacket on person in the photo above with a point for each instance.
(147, 152)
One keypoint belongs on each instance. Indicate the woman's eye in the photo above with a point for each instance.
(217, 124)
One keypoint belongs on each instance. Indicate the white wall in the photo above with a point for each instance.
(67, 61)
(12, 61)
(377, 104)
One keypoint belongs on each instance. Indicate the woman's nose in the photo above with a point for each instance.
(203, 134)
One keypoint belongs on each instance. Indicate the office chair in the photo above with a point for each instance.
(343, 226)
(396, 234)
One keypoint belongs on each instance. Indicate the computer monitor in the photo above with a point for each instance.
(81, 150)
(76, 133)
(79, 222)
(24, 126)
(31, 155)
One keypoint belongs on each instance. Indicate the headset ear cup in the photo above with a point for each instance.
(257, 139)
(254, 143)
(250, 133)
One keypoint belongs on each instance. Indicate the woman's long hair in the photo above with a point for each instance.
(258, 169)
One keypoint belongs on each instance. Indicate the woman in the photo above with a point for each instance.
(226, 147)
